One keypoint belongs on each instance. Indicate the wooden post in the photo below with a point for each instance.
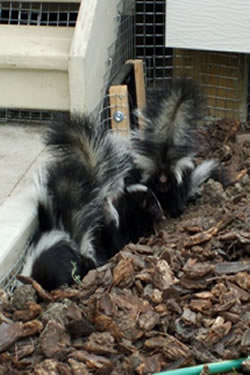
(119, 108)
(139, 84)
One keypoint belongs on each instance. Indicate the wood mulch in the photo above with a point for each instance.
(176, 299)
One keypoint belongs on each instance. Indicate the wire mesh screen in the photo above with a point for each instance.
(222, 75)
(9, 281)
(141, 34)
(121, 50)
(150, 40)
(39, 14)
(26, 116)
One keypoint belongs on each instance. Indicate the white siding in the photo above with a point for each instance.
(219, 25)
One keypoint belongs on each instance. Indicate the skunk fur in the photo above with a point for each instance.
(164, 151)
(86, 213)
(98, 159)
(139, 211)
(53, 260)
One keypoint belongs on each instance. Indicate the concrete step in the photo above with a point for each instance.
(34, 67)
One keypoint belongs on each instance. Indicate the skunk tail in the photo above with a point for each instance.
(100, 156)
(173, 112)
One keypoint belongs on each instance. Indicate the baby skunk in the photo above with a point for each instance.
(53, 257)
(119, 213)
(74, 196)
(80, 194)
(164, 151)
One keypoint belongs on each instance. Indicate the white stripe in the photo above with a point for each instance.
(137, 187)
(181, 166)
(86, 247)
(47, 240)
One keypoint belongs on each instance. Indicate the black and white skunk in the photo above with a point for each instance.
(86, 213)
(100, 160)
(164, 150)
(54, 258)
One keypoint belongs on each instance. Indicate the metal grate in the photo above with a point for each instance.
(9, 281)
(141, 34)
(150, 40)
(26, 116)
(38, 14)
(121, 50)
(222, 75)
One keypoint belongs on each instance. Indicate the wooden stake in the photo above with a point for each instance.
(139, 85)
(119, 108)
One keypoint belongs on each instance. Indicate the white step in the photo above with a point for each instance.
(59, 68)
(34, 67)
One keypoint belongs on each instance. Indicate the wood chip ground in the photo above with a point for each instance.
(178, 298)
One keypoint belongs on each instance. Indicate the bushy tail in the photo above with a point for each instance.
(169, 133)
(173, 112)
(73, 138)
(102, 156)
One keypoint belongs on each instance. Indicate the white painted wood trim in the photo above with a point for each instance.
(208, 25)
(95, 32)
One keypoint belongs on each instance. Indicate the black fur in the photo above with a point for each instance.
(139, 212)
(164, 151)
(59, 265)
(82, 193)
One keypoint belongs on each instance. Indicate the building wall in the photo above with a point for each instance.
(208, 25)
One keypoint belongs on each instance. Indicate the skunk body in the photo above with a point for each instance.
(85, 212)
(164, 151)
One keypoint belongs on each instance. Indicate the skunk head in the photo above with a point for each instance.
(56, 266)
(54, 261)
(146, 201)
(139, 211)
(165, 169)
